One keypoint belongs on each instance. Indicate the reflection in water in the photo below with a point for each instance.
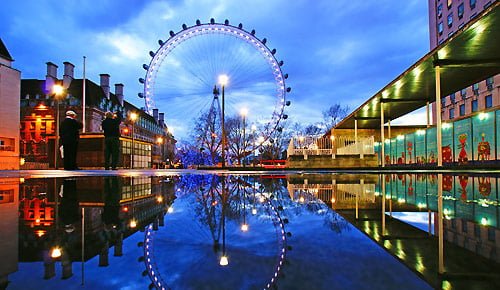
(63, 221)
(251, 231)
(469, 231)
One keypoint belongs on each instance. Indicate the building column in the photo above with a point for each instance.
(438, 117)
(428, 114)
(382, 139)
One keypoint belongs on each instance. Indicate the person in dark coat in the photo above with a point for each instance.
(69, 134)
(111, 127)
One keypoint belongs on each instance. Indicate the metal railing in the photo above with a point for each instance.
(341, 145)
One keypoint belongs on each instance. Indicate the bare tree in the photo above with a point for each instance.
(334, 114)
(207, 134)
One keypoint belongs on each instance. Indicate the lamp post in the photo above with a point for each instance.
(159, 140)
(133, 118)
(244, 112)
(58, 91)
(223, 79)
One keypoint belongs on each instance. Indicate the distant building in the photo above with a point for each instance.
(9, 111)
(38, 120)
(446, 17)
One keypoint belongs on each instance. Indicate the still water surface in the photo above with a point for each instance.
(291, 231)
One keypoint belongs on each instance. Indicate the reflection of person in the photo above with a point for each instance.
(111, 127)
(112, 196)
(69, 207)
(69, 134)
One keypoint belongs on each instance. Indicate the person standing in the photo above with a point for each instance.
(111, 127)
(68, 132)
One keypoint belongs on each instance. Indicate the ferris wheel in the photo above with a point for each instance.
(185, 70)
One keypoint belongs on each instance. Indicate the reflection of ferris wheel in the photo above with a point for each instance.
(181, 75)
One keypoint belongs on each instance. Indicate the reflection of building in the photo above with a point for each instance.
(9, 192)
(110, 203)
(9, 111)
(38, 112)
(341, 192)
(445, 19)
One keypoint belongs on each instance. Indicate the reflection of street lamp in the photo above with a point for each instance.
(223, 80)
(58, 91)
(244, 112)
(244, 226)
(223, 259)
(133, 118)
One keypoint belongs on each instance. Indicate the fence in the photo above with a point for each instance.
(341, 145)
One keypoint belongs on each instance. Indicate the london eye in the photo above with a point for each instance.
(183, 80)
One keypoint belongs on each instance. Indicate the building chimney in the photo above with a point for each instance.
(119, 93)
(155, 115)
(68, 76)
(51, 77)
(105, 84)
(161, 118)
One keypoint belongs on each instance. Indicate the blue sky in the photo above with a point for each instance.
(340, 51)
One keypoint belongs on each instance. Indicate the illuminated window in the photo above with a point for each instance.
(472, 4)
(460, 10)
(474, 106)
(462, 110)
(440, 10)
(488, 101)
(450, 19)
(449, 3)
(440, 28)
(452, 113)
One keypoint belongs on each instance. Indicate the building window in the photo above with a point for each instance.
(489, 83)
(460, 10)
(450, 19)
(452, 113)
(487, 4)
(449, 3)
(462, 110)
(474, 106)
(488, 101)
(452, 98)
(472, 4)
(475, 88)
(440, 10)
(440, 28)
(463, 93)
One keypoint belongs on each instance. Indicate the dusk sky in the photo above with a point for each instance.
(338, 51)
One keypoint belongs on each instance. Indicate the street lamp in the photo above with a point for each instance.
(223, 80)
(244, 112)
(159, 140)
(133, 118)
(58, 91)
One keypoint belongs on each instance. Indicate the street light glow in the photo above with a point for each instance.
(57, 90)
(56, 252)
(223, 261)
(133, 116)
(223, 80)
(159, 140)
(244, 112)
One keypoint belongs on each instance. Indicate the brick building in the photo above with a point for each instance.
(38, 121)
